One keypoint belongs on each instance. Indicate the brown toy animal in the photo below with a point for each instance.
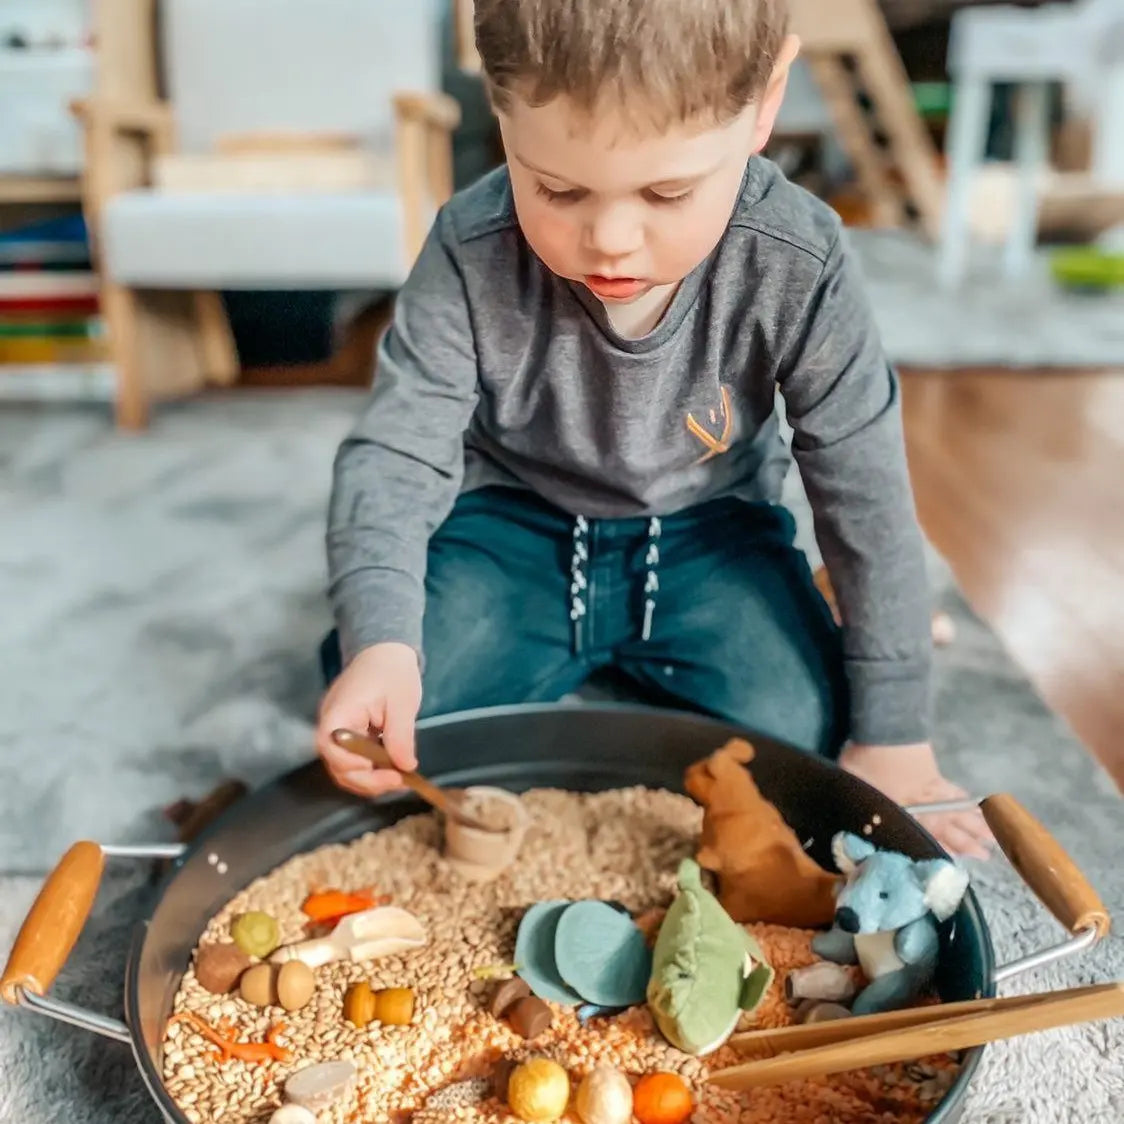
(763, 872)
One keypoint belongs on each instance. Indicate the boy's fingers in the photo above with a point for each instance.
(981, 834)
(374, 782)
(398, 737)
(955, 838)
(359, 717)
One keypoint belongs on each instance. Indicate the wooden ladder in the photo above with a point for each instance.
(850, 53)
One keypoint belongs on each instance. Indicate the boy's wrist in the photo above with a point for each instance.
(889, 702)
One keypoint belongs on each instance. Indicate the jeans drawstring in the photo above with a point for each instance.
(579, 583)
(651, 576)
(579, 580)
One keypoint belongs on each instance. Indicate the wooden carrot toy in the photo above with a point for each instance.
(326, 906)
(270, 1050)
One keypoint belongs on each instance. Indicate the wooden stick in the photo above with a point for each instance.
(1008, 1018)
(772, 1041)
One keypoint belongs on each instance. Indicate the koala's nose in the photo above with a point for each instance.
(847, 919)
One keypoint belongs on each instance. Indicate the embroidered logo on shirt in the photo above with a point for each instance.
(714, 445)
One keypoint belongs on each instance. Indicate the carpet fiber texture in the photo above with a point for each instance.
(162, 602)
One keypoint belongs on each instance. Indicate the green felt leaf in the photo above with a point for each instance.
(534, 953)
(602, 955)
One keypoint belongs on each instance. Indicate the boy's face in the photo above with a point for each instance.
(624, 212)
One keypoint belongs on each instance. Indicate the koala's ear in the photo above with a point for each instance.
(945, 885)
(849, 850)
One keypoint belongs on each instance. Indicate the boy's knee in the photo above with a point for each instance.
(802, 705)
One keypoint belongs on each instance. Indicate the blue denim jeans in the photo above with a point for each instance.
(713, 609)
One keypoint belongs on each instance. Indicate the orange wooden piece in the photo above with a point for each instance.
(661, 1098)
(270, 1050)
(1045, 867)
(332, 905)
(52, 927)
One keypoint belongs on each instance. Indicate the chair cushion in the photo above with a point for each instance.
(234, 66)
(225, 240)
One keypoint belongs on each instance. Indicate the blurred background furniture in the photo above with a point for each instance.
(258, 145)
(850, 53)
(1079, 45)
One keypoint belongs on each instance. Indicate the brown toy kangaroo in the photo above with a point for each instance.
(763, 872)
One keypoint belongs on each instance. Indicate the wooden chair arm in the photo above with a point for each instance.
(153, 120)
(436, 109)
(424, 157)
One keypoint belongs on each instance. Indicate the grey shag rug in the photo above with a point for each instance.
(162, 603)
(987, 322)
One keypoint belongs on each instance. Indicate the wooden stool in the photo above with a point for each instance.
(1031, 49)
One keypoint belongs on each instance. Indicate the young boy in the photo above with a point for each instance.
(571, 458)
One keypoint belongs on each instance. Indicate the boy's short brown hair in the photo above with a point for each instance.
(677, 59)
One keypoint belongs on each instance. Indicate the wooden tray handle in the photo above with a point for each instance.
(1045, 867)
(54, 923)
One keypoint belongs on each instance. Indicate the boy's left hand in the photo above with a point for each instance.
(909, 774)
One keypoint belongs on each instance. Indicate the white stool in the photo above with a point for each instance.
(1080, 44)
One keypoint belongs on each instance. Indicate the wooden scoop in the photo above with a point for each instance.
(376, 753)
(383, 931)
(919, 1033)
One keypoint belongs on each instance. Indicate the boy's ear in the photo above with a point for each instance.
(770, 104)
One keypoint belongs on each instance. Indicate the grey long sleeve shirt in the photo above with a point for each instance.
(495, 370)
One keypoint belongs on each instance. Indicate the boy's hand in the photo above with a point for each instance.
(379, 690)
(909, 774)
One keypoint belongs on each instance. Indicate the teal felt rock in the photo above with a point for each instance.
(706, 969)
(602, 955)
(534, 953)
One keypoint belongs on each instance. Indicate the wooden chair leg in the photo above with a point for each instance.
(967, 137)
(216, 340)
(170, 353)
(121, 308)
(839, 93)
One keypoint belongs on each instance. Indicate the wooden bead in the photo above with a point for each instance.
(530, 1017)
(507, 994)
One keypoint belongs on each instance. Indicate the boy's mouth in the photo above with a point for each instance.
(614, 288)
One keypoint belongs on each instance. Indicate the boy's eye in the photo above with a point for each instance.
(661, 199)
(570, 196)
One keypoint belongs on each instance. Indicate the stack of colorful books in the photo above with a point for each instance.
(52, 334)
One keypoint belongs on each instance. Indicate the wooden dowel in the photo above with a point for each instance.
(1008, 1018)
(784, 1040)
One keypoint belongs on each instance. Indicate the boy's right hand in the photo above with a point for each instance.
(380, 690)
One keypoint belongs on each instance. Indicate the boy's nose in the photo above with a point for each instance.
(614, 236)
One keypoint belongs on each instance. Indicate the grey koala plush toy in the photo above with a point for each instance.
(886, 915)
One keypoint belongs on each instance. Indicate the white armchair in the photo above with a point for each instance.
(254, 144)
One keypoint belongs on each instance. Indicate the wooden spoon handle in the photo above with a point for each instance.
(375, 752)
(1045, 866)
(1007, 1019)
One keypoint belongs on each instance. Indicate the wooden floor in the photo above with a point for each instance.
(1019, 480)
